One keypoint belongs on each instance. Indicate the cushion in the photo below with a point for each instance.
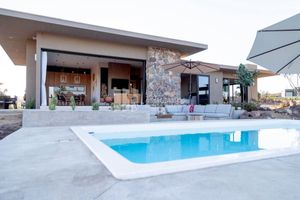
(171, 109)
(143, 108)
(216, 115)
(154, 110)
(174, 108)
(223, 108)
(196, 114)
(179, 114)
(185, 109)
(199, 109)
(210, 108)
(191, 108)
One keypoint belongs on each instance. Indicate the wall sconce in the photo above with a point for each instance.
(217, 80)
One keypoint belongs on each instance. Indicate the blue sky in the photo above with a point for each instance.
(227, 26)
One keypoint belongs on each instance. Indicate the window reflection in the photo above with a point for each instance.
(203, 92)
(64, 93)
(231, 91)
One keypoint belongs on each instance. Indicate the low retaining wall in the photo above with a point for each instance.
(38, 118)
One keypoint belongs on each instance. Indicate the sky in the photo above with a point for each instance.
(228, 27)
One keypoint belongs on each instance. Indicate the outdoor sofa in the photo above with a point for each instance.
(180, 112)
(210, 111)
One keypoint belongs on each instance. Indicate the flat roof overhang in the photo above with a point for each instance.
(261, 72)
(17, 27)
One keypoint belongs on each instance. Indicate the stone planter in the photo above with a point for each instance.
(38, 118)
(237, 113)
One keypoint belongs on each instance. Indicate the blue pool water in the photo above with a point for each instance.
(175, 147)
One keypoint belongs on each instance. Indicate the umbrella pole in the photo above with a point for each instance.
(190, 95)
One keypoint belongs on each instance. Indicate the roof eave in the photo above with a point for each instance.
(186, 47)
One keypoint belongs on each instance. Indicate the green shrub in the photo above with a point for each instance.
(250, 106)
(95, 106)
(115, 106)
(30, 104)
(72, 103)
(53, 103)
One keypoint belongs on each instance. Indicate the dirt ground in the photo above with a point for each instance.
(10, 121)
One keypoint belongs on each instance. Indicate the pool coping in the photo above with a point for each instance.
(123, 169)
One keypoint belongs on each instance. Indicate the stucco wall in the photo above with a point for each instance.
(231, 75)
(252, 92)
(30, 70)
(96, 47)
(216, 87)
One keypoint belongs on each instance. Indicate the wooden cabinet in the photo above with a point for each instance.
(57, 79)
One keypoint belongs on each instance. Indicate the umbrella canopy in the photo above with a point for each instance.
(277, 47)
(190, 67)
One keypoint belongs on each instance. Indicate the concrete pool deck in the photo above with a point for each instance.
(52, 163)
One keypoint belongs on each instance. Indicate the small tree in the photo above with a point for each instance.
(246, 79)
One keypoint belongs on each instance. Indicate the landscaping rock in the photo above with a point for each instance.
(265, 115)
(281, 110)
(295, 111)
(250, 115)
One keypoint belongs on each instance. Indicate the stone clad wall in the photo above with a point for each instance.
(163, 87)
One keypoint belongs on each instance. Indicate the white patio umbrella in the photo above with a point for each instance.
(190, 67)
(277, 47)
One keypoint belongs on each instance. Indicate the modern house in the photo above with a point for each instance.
(90, 62)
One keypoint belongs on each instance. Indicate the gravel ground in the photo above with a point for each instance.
(10, 121)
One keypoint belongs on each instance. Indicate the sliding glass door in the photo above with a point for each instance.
(232, 92)
(203, 89)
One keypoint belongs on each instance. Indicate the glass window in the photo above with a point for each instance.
(226, 90)
(203, 92)
(64, 94)
(232, 91)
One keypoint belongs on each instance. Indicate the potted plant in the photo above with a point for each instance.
(72, 103)
(95, 106)
(30, 104)
(102, 99)
(53, 103)
(108, 99)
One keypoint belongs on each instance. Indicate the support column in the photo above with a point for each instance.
(30, 71)
(43, 79)
(38, 78)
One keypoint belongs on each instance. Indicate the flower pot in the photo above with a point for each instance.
(108, 99)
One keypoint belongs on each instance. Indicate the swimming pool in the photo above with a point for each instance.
(141, 150)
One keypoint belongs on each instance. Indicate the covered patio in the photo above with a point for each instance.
(91, 78)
